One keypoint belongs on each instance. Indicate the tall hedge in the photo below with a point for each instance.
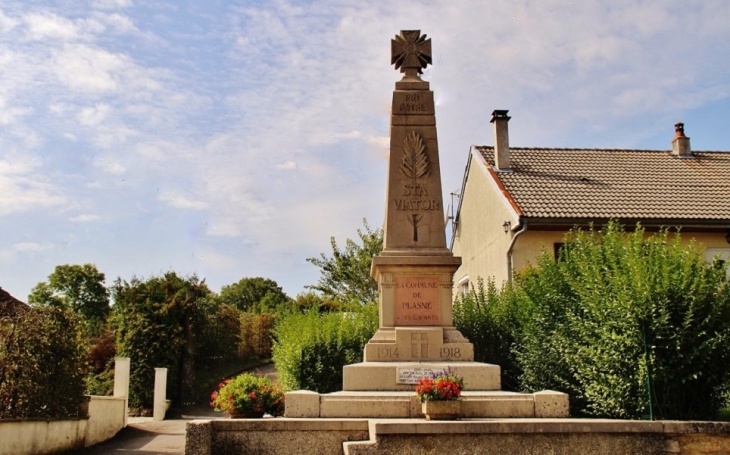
(310, 349)
(157, 323)
(42, 364)
(628, 325)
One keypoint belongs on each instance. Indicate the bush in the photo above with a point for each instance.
(310, 349)
(490, 319)
(627, 324)
(248, 395)
(42, 364)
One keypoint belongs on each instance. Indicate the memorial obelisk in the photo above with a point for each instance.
(416, 336)
(415, 270)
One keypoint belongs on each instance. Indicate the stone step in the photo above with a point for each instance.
(379, 404)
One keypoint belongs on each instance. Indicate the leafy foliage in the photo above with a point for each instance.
(248, 394)
(618, 310)
(257, 295)
(310, 349)
(42, 364)
(490, 319)
(157, 323)
(346, 275)
(79, 287)
(622, 322)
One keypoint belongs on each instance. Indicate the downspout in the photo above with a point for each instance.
(509, 250)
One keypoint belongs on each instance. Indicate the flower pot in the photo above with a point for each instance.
(441, 410)
(246, 415)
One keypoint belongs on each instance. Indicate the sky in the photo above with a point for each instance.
(232, 139)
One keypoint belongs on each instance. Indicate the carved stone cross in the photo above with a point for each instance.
(410, 52)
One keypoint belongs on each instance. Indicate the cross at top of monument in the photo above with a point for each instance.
(410, 52)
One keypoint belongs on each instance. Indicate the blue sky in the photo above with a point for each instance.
(233, 138)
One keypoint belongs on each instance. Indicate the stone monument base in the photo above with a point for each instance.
(377, 404)
(403, 376)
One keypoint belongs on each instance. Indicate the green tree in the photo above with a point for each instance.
(158, 322)
(258, 295)
(346, 275)
(78, 287)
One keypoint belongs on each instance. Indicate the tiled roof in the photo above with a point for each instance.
(10, 306)
(638, 184)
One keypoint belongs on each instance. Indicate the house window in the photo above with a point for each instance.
(557, 246)
(722, 253)
(464, 285)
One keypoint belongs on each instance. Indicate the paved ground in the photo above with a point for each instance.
(146, 436)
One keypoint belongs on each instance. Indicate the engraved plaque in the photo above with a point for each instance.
(417, 301)
(413, 375)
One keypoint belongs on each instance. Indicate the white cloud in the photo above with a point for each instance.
(7, 23)
(111, 4)
(90, 116)
(84, 218)
(45, 25)
(178, 200)
(287, 165)
(110, 165)
(31, 247)
(23, 189)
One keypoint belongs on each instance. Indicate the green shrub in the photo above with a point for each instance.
(42, 364)
(490, 319)
(627, 324)
(310, 349)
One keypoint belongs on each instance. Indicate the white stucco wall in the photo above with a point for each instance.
(479, 238)
(33, 437)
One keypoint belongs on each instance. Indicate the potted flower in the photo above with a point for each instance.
(248, 396)
(439, 393)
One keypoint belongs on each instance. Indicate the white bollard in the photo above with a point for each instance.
(158, 411)
(121, 382)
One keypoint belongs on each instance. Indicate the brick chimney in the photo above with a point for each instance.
(680, 144)
(501, 140)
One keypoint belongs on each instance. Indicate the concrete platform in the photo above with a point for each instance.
(391, 404)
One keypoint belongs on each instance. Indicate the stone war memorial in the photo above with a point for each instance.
(414, 272)
(378, 411)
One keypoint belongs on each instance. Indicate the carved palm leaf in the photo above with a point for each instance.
(414, 163)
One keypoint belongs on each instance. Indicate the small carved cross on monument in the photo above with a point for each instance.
(410, 52)
(419, 345)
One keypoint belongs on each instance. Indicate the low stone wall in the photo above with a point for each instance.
(272, 436)
(468, 437)
(37, 437)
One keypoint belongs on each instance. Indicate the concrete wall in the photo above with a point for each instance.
(36, 437)
(272, 436)
(282, 436)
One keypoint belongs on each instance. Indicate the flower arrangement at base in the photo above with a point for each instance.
(440, 394)
(248, 395)
(440, 386)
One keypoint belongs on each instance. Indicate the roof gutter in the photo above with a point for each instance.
(522, 222)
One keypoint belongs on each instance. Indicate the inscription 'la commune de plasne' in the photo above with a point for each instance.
(417, 301)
